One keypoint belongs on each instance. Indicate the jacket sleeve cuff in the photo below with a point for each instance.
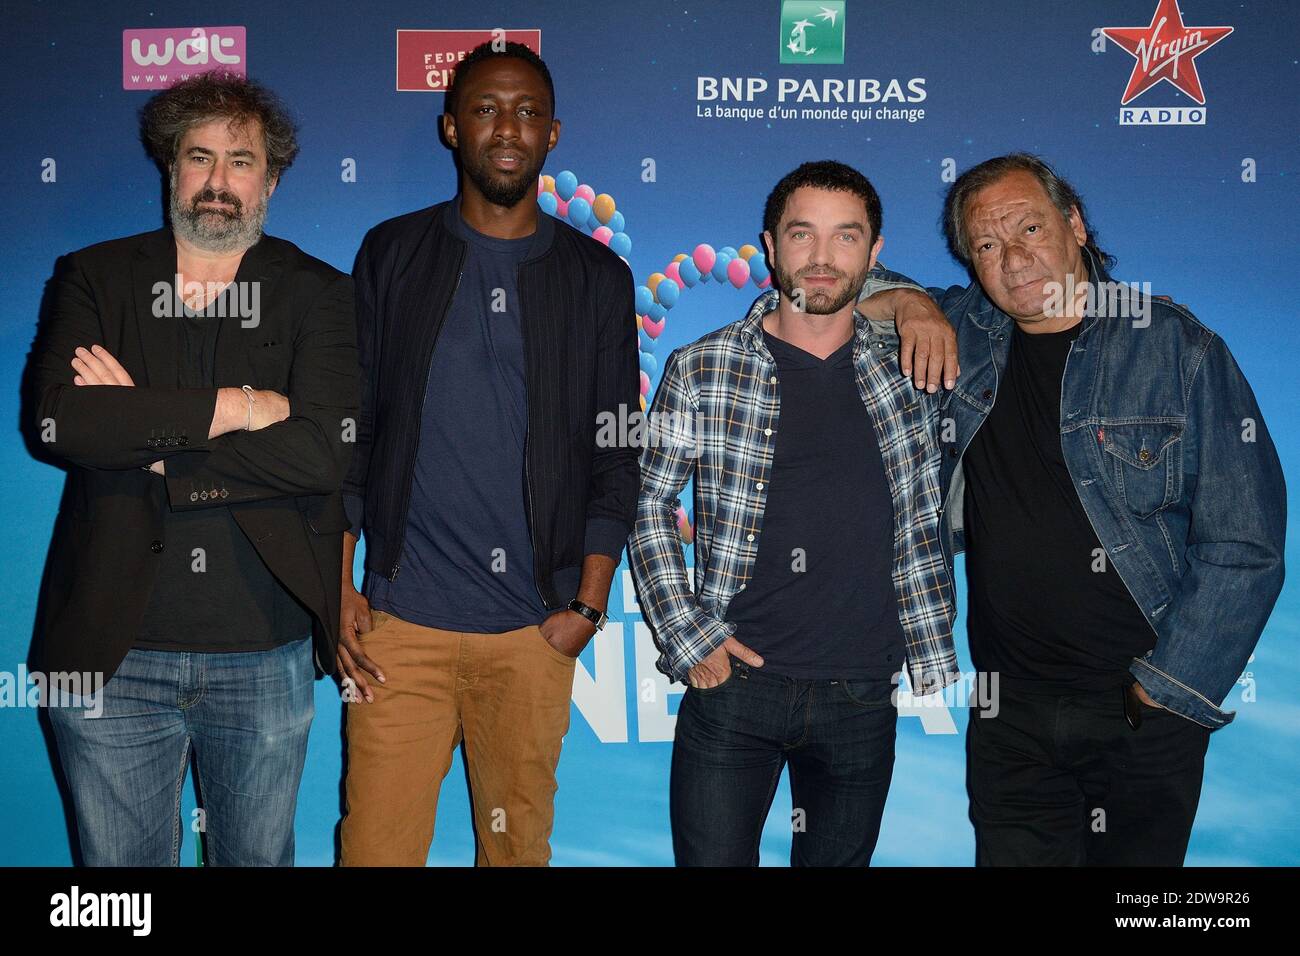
(880, 279)
(603, 536)
(354, 505)
(709, 634)
(1176, 697)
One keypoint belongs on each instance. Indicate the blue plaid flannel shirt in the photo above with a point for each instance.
(714, 419)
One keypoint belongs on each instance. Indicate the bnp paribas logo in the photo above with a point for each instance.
(812, 31)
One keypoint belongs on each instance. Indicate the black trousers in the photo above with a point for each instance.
(1066, 781)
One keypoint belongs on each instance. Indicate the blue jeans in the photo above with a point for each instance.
(245, 714)
(732, 742)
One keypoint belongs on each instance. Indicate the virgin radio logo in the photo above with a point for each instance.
(157, 59)
(1165, 50)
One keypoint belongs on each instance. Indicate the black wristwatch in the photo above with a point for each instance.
(590, 613)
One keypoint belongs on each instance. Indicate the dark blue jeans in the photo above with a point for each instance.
(245, 714)
(732, 742)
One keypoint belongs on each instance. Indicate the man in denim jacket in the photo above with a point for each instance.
(1123, 560)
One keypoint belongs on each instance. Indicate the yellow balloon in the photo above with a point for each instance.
(603, 207)
(548, 184)
(642, 397)
(652, 283)
(680, 256)
(746, 251)
(640, 320)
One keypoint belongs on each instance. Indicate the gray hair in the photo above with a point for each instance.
(1060, 192)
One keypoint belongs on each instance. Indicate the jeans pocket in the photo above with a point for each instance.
(870, 691)
(731, 679)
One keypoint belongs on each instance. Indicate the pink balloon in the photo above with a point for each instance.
(586, 192)
(765, 283)
(673, 271)
(603, 234)
(645, 384)
(738, 272)
(704, 257)
(651, 327)
(561, 207)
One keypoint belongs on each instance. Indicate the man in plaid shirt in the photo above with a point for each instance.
(803, 436)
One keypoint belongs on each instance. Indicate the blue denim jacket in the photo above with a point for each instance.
(1173, 465)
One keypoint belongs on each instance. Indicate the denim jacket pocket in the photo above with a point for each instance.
(1146, 463)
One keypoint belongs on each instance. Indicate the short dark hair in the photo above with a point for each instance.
(1060, 192)
(168, 115)
(487, 51)
(822, 174)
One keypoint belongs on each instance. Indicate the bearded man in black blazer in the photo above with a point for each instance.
(200, 383)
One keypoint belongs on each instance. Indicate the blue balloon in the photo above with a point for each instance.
(593, 223)
(719, 269)
(549, 204)
(647, 343)
(668, 291)
(621, 243)
(644, 297)
(688, 271)
(729, 251)
(648, 363)
(758, 270)
(656, 312)
(579, 211)
(616, 222)
(565, 184)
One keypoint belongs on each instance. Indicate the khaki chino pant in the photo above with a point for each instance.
(506, 695)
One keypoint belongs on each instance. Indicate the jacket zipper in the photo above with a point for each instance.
(528, 475)
(410, 474)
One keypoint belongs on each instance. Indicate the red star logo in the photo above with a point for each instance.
(1165, 50)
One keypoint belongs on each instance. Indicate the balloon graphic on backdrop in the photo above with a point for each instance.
(597, 214)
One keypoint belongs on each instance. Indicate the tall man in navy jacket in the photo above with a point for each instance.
(491, 339)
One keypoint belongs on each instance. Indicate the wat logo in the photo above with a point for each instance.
(426, 59)
(812, 32)
(158, 59)
(1164, 51)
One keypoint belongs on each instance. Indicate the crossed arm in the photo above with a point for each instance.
(259, 446)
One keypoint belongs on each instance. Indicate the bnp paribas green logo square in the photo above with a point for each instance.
(812, 31)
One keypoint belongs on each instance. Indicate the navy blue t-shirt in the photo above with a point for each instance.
(820, 603)
(467, 559)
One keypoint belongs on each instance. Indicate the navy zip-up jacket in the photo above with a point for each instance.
(580, 357)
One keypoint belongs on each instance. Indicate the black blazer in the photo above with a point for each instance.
(281, 482)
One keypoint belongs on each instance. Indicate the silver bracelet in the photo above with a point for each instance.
(248, 393)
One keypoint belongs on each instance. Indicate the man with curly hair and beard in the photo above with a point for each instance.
(198, 383)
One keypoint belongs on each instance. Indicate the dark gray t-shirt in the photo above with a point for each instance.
(467, 558)
(820, 604)
(213, 592)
